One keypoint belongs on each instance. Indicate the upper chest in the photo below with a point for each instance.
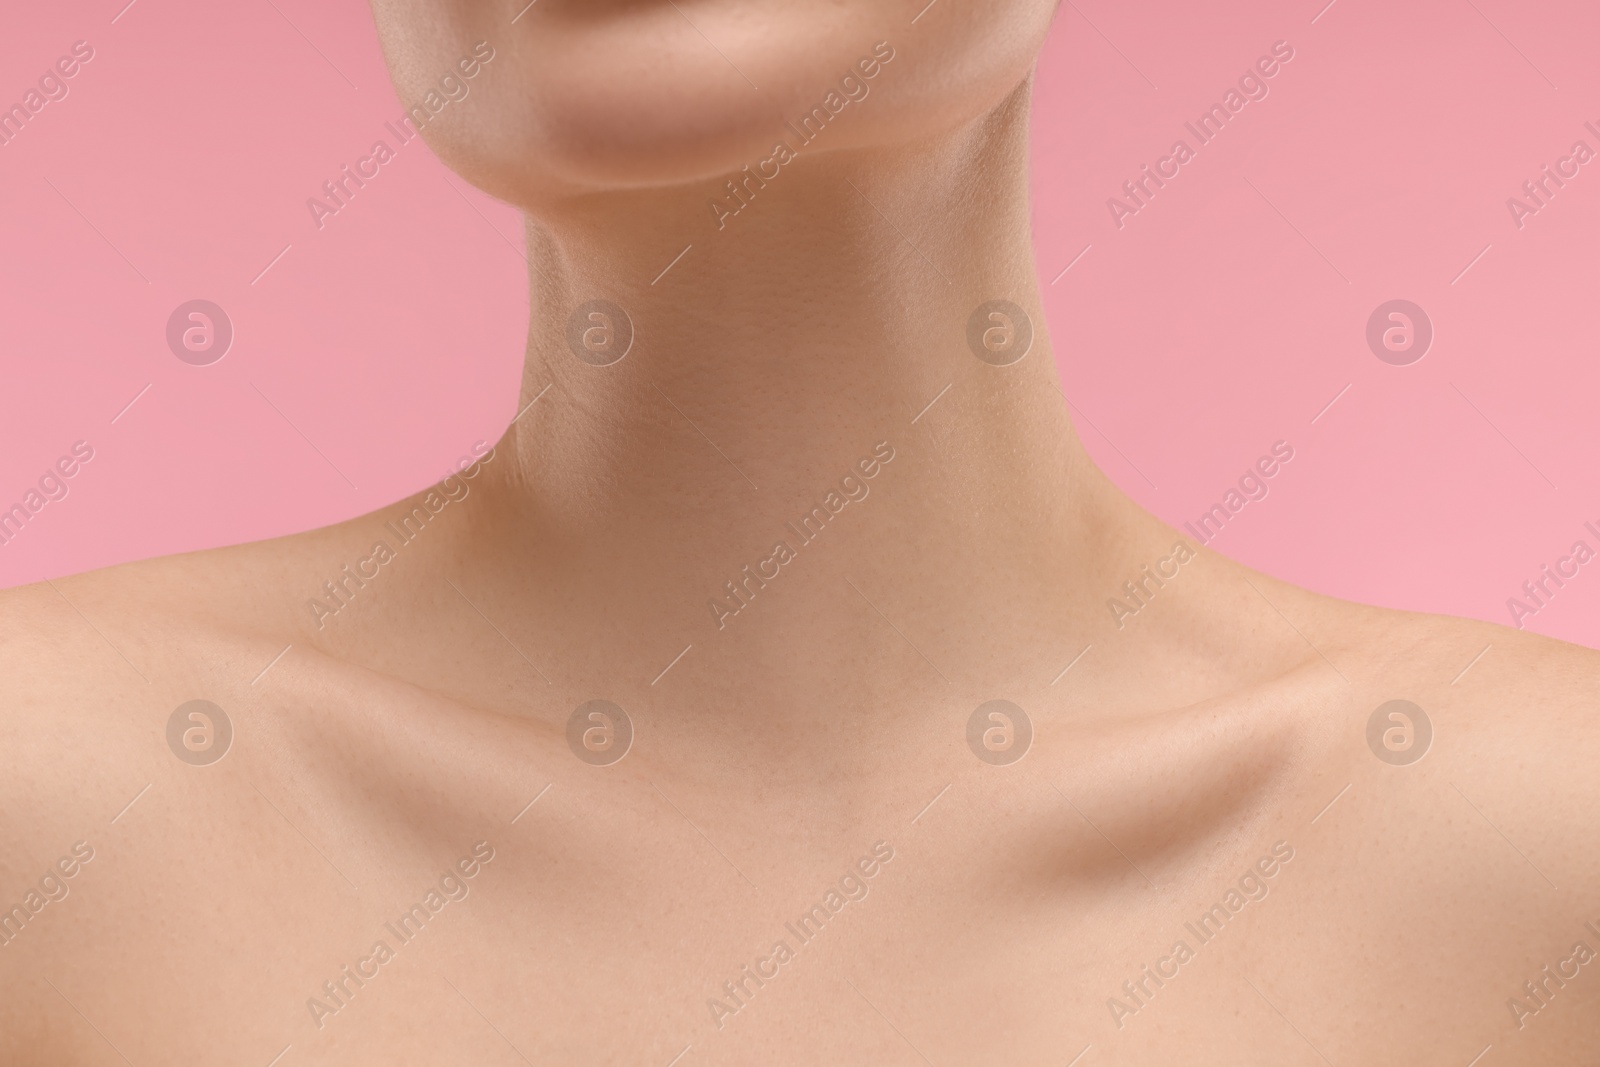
(387, 885)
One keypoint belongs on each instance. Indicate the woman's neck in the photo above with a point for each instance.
(773, 363)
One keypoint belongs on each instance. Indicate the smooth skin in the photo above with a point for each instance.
(815, 741)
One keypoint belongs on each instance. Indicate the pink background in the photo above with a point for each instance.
(1222, 317)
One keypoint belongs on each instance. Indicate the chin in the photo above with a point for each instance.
(588, 96)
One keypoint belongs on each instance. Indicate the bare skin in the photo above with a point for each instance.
(815, 741)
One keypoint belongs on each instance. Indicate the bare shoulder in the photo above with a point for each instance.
(1479, 702)
(1518, 730)
(1480, 684)
(96, 663)
(1525, 700)
(1442, 828)
(131, 623)
(1472, 756)
(171, 620)
(91, 796)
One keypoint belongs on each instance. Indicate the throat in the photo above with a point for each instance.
(832, 430)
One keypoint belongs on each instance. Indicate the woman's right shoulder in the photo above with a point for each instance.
(94, 665)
